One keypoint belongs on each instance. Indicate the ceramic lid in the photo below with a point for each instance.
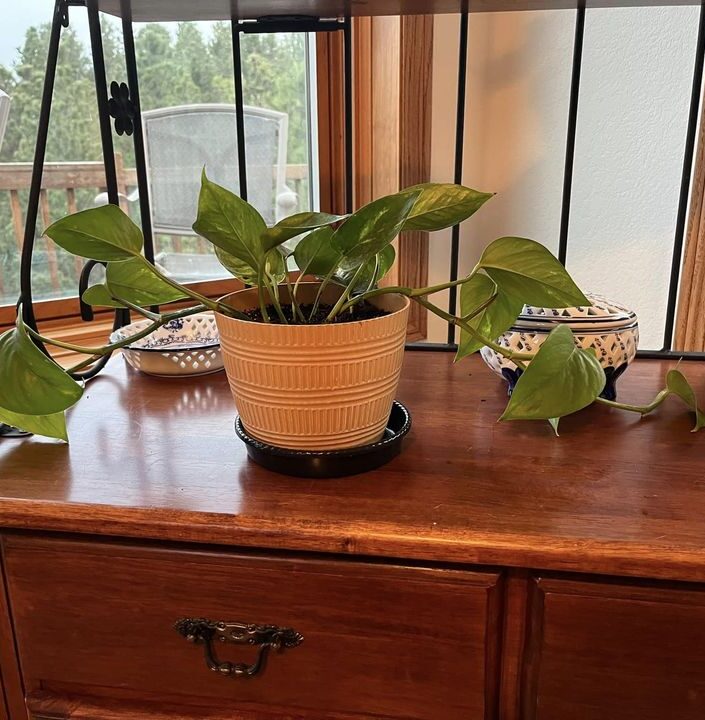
(602, 313)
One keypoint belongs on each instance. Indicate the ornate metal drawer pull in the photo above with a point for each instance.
(265, 637)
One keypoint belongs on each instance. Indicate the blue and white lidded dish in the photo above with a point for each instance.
(184, 346)
(610, 329)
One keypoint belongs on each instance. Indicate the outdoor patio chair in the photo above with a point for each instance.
(180, 141)
(4, 112)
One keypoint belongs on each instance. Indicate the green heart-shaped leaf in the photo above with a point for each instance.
(230, 223)
(441, 205)
(104, 233)
(527, 271)
(53, 426)
(384, 262)
(374, 270)
(315, 253)
(30, 382)
(137, 282)
(240, 269)
(134, 281)
(561, 379)
(369, 230)
(294, 225)
(493, 320)
(99, 296)
(553, 422)
(677, 384)
(275, 265)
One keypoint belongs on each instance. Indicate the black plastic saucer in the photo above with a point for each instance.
(330, 463)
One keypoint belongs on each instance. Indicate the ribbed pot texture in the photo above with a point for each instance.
(314, 387)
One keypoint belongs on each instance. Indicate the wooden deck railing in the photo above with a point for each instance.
(61, 182)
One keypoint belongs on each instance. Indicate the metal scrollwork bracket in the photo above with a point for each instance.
(122, 108)
(265, 637)
(62, 8)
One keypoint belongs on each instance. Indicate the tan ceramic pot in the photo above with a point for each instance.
(314, 387)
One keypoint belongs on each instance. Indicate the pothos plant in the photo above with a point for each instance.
(352, 252)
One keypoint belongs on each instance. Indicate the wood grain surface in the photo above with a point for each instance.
(149, 10)
(393, 59)
(599, 651)
(690, 321)
(12, 703)
(98, 619)
(46, 706)
(158, 458)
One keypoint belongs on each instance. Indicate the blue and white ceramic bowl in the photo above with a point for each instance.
(610, 329)
(187, 346)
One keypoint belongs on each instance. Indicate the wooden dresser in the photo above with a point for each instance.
(491, 571)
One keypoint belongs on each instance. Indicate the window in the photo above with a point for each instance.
(187, 97)
(637, 71)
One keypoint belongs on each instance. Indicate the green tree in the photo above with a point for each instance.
(194, 64)
(220, 49)
(155, 63)
(73, 132)
(73, 136)
(175, 68)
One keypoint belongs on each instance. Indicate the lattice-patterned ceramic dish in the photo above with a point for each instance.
(611, 330)
(187, 346)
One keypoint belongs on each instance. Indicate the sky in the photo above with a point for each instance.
(14, 23)
(25, 14)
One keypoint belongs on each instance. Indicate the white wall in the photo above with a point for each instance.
(637, 71)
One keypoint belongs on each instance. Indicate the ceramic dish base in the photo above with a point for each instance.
(175, 376)
(7, 431)
(612, 374)
(330, 463)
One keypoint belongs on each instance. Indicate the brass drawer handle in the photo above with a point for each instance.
(265, 637)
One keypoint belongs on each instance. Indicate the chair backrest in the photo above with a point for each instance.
(4, 112)
(181, 140)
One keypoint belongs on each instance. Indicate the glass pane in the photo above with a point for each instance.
(187, 94)
(634, 97)
(187, 91)
(74, 173)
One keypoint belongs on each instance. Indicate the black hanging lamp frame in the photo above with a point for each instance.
(123, 110)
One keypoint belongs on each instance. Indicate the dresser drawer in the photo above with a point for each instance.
(607, 651)
(404, 642)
